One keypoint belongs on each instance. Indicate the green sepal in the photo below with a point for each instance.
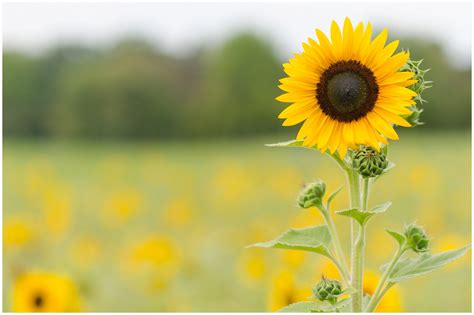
(362, 217)
(332, 196)
(410, 268)
(315, 239)
(400, 238)
(315, 307)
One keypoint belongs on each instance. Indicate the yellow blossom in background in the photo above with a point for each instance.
(231, 182)
(45, 292)
(252, 266)
(392, 300)
(179, 211)
(121, 206)
(16, 233)
(284, 290)
(293, 258)
(158, 251)
(57, 212)
(85, 250)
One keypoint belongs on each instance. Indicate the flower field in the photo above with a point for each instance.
(163, 226)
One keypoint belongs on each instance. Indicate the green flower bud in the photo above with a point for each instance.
(328, 290)
(416, 238)
(312, 194)
(368, 162)
(418, 87)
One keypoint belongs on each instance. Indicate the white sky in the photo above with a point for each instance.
(177, 27)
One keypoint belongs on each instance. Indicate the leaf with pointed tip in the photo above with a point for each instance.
(315, 307)
(313, 239)
(332, 196)
(290, 143)
(409, 268)
(400, 238)
(363, 216)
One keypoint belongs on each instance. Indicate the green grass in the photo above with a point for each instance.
(210, 200)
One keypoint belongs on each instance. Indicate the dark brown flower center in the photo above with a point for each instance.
(347, 91)
(38, 300)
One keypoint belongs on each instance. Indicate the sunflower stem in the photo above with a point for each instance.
(358, 258)
(340, 260)
(380, 290)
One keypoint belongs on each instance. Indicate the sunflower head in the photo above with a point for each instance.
(45, 292)
(348, 89)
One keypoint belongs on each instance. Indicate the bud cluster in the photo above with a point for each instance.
(312, 194)
(418, 87)
(416, 238)
(368, 162)
(328, 290)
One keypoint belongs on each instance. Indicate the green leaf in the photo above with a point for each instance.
(315, 307)
(363, 216)
(381, 208)
(409, 268)
(332, 196)
(302, 307)
(400, 238)
(291, 143)
(314, 239)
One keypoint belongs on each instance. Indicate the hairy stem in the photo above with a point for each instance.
(341, 260)
(380, 290)
(354, 185)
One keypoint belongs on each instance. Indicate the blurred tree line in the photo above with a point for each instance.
(133, 90)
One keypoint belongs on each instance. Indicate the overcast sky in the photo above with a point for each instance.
(177, 27)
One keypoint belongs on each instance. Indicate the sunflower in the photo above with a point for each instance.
(348, 90)
(44, 292)
(285, 291)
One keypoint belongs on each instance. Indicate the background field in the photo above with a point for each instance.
(165, 224)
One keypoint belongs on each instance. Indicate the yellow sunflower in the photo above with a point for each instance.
(45, 292)
(348, 90)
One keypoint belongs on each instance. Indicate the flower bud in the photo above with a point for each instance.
(312, 194)
(416, 238)
(368, 162)
(418, 87)
(328, 290)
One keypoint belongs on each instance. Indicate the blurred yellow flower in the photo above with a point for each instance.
(57, 211)
(85, 250)
(16, 233)
(179, 212)
(392, 300)
(45, 292)
(121, 206)
(284, 291)
(252, 266)
(156, 251)
(293, 258)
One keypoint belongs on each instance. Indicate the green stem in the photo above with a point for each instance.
(358, 258)
(380, 290)
(340, 257)
(354, 186)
